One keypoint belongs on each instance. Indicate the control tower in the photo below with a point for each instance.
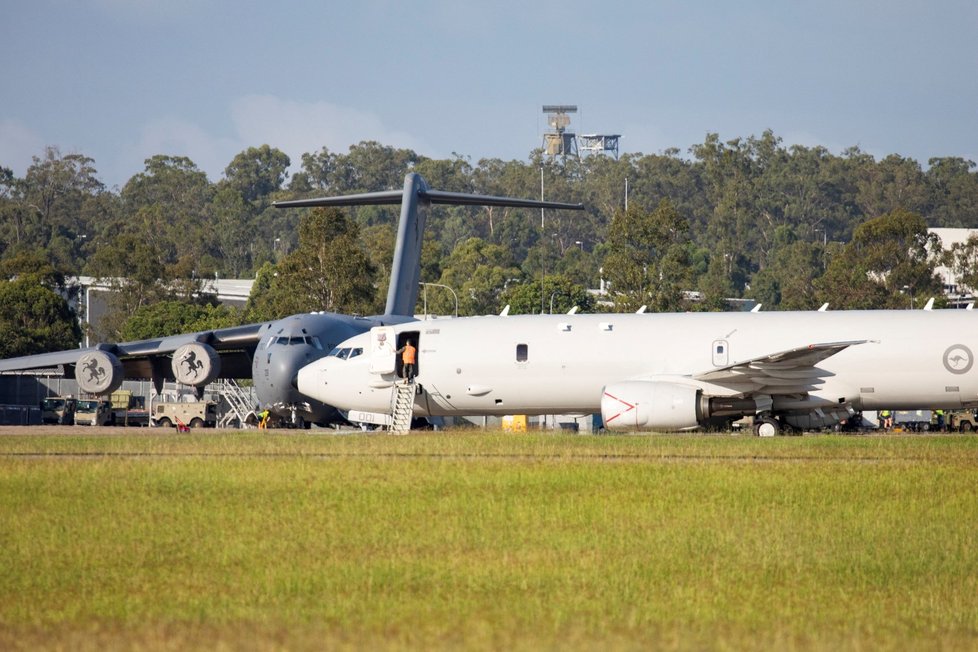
(559, 141)
(600, 143)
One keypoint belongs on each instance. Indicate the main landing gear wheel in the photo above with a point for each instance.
(766, 427)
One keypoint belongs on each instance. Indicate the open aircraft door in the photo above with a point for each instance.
(383, 358)
(403, 338)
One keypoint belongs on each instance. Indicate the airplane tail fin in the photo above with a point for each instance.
(402, 293)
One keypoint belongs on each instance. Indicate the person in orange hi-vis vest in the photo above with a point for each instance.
(408, 358)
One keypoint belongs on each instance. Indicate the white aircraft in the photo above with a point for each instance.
(663, 371)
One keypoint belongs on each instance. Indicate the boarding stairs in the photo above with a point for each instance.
(241, 403)
(402, 406)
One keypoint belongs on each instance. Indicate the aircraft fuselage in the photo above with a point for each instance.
(545, 364)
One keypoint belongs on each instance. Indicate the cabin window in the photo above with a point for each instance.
(522, 352)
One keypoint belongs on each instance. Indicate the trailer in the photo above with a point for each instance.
(128, 409)
(912, 420)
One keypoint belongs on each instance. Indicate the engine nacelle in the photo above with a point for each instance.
(196, 364)
(638, 404)
(659, 405)
(99, 372)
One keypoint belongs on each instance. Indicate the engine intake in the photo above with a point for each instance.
(99, 373)
(196, 364)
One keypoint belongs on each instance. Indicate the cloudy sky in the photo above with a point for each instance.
(122, 80)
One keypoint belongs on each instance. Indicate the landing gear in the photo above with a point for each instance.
(767, 426)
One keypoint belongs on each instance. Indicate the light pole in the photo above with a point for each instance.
(437, 285)
(541, 197)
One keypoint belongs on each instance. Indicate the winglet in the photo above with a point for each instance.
(825, 306)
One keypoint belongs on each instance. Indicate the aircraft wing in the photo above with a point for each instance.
(235, 345)
(786, 372)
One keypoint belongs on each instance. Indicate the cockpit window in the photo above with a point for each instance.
(345, 353)
(296, 339)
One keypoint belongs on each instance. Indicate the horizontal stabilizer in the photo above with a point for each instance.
(431, 196)
(363, 199)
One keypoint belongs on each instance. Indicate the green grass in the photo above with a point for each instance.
(487, 540)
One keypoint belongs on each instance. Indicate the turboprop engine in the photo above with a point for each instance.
(195, 364)
(658, 405)
(99, 373)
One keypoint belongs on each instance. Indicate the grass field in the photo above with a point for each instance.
(137, 540)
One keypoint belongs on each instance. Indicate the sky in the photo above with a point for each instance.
(122, 80)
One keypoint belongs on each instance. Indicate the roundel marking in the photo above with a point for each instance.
(958, 359)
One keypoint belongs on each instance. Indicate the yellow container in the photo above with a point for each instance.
(514, 423)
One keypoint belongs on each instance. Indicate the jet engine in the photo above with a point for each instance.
(99, 373)
(196, 364)
(657, 405)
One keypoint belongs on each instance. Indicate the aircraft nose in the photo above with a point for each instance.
(311, 381)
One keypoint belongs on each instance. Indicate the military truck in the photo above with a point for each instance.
(195, 414)
(963, 421)
(58, 410)
(93, 412)
(128, 410)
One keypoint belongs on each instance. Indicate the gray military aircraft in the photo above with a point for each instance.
(271, 353)
(665, 371)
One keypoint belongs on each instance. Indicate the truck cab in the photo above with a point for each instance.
(963, 420)
(93, 412)
(58, 410)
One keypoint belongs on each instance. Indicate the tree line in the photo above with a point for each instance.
(790, 226)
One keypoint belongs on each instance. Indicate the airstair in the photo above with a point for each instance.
(402, 407)
(241, 403)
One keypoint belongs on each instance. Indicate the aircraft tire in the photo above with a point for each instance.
(767, 427)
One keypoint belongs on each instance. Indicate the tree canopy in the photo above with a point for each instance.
(790, 226)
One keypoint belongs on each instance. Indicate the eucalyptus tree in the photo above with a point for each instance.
(888, 264)
(647, 259)
(954, 189)
(329, 270)
(34, 315)
(478, 272)
(257, 172)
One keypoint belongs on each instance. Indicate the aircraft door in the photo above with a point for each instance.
(382, 357)
(720, 353)
(403, 338)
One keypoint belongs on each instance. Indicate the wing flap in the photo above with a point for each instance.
(786, 372)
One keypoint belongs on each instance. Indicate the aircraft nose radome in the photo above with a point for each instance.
(311, 380)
